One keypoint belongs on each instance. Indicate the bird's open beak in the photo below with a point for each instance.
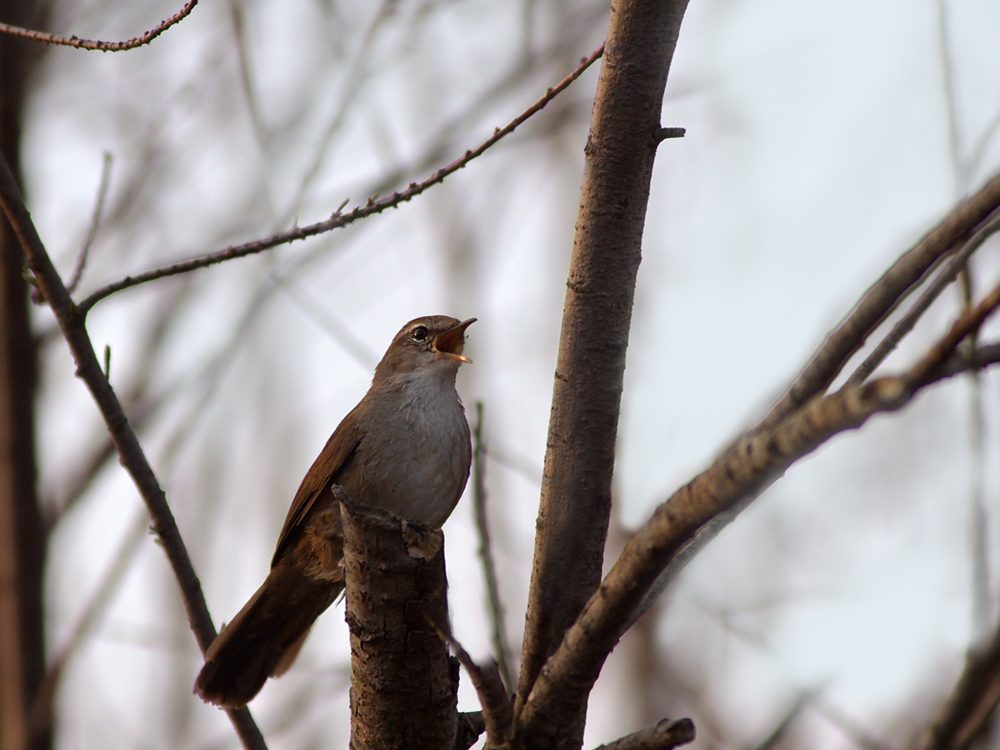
(450, 342)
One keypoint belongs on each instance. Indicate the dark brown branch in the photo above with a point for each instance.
(339, 219)
(882, 297)
(74, 41)
(748, 467)
(499, 632)
(403, 687)
(575, 504)
(664, 736)
(666, 133)
(73, 326)
(497, 711)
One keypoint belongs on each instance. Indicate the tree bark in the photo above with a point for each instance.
(576, 487)
(22, 533)
(404, 685)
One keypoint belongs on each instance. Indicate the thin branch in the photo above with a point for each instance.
(354, 81)
(780, 730)
(882, 297)
(499, 635)
(339, 219)
(75, 41)
(979, 548)
(959, 169)
(968, 322)
(41, 711)
(95, 222)
(972, 702)
(664, 134)
(905, 324)
(963, 361)
(73, 325)
(744, 470)
(497, 713)
(664, 736)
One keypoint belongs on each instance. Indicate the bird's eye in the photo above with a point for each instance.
(419, 333)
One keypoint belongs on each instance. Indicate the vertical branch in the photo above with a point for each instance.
(23, 538)
(982, 608)
(576, 487)
(501, 648)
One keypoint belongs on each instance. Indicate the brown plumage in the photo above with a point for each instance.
(404, 448)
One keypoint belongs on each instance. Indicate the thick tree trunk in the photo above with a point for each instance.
(22, 534)
(576, 486)
(404, 685)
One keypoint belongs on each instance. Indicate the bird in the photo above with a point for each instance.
(405, 448)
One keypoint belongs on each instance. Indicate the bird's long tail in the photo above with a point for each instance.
(264, 638)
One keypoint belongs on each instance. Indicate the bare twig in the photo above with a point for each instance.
(780, 730)
(41, 711)
(972, 702)
(338, 219)
(664, 736)
(968, 322)
(958, 165)
(497, 711)
(500, 644)
(74, 41)
(882, 297)
(979, 548)
(95, 222)
(905, 324)
(353, 81)
(73, 325)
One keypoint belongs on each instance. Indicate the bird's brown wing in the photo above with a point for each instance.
(335, 454)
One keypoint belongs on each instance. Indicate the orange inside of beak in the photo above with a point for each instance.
(450, 342)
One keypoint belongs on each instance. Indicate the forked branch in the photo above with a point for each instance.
(748, 467)
(73, 326)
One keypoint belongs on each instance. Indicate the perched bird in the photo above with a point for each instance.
(404, 448)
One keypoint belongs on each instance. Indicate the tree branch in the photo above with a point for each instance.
(575, 503)
(905, 324)
(74, 41)
(882, 297)
(664, 736)
(497, 712)
(972, 702)
(338, 219)
(499, 632)
(73, 325)
(744, 470)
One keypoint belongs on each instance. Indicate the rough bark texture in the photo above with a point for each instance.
(403, 682)
(576, 486)
(22, 533)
